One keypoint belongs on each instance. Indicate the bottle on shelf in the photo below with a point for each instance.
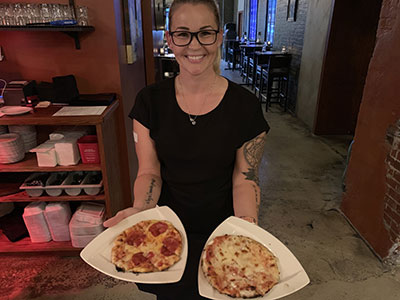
(258, 38)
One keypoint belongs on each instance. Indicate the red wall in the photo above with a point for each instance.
(43, 55)
(99, 66)
(363, 203)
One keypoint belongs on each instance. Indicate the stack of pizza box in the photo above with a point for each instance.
(35, 222)
(86, 224)
(58, 215)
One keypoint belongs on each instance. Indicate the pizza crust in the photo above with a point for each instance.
(148, 246)
(239, 266)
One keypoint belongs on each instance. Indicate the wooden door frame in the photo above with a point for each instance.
(240, 23)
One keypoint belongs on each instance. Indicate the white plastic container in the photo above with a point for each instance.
(46, 154)
(58, 215)
(67, 152)
(35, 222)
(52, 187)
(35, 190)
(92, 188)
(70, 188)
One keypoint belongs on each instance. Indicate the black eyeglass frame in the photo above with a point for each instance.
(194, 34)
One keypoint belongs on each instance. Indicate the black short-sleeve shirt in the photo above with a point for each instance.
(197, 161)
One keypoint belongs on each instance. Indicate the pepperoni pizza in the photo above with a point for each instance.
(148, 246)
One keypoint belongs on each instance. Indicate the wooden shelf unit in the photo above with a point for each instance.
(113, 197)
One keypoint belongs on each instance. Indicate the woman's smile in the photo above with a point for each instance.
(195, 59)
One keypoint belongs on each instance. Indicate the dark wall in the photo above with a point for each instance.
(291, 35)
(350, 45)
(132, 79)
(228, 11)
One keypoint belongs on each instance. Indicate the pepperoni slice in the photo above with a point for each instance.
(165, 251)
(135, 238)
(138, 258)
(157, 228)
(170, 244)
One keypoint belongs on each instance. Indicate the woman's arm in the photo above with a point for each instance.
(147, 186)
(246, 189)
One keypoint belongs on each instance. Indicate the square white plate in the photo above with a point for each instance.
(292, 275)
(98, 252)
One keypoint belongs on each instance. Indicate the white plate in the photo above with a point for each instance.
(98, 252)
(15, 110)
(292, 275)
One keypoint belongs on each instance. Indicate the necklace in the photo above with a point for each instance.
(192, 119)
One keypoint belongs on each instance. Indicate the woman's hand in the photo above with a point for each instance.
(121, 215)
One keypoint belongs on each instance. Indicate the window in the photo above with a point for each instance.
(270, 22)
(253, 20)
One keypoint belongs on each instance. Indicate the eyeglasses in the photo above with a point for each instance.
(184, 38)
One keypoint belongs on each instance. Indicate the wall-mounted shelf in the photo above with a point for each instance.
(72, 31)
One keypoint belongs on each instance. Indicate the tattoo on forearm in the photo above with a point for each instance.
(257, 199)
(149, 194)
(253, 152)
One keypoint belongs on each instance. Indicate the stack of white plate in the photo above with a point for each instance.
(28, 134)
(11, 148)
(3, 129)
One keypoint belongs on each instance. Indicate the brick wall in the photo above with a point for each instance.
(291, 34)
(391, 213)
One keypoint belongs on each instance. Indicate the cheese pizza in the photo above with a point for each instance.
(148, 246)
(239, 266)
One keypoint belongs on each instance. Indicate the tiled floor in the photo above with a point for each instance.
(301, 182)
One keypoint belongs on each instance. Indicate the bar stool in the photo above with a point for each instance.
(233, 54)
(258, 78)
(248, 66)
(261, 62)
(250, 70)
(275, 81)
(244, 60)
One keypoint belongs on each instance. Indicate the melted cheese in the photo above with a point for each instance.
(242, 266)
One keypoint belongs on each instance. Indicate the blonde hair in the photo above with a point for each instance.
(214, 8)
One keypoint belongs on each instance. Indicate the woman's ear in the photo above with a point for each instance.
(220, 37)
(169, 39)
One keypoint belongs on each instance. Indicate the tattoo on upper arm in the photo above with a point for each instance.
(149, 195)
(253, 152)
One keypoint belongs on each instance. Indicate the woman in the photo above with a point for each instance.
(199, 139)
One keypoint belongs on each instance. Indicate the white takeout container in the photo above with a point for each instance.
(45, 154)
